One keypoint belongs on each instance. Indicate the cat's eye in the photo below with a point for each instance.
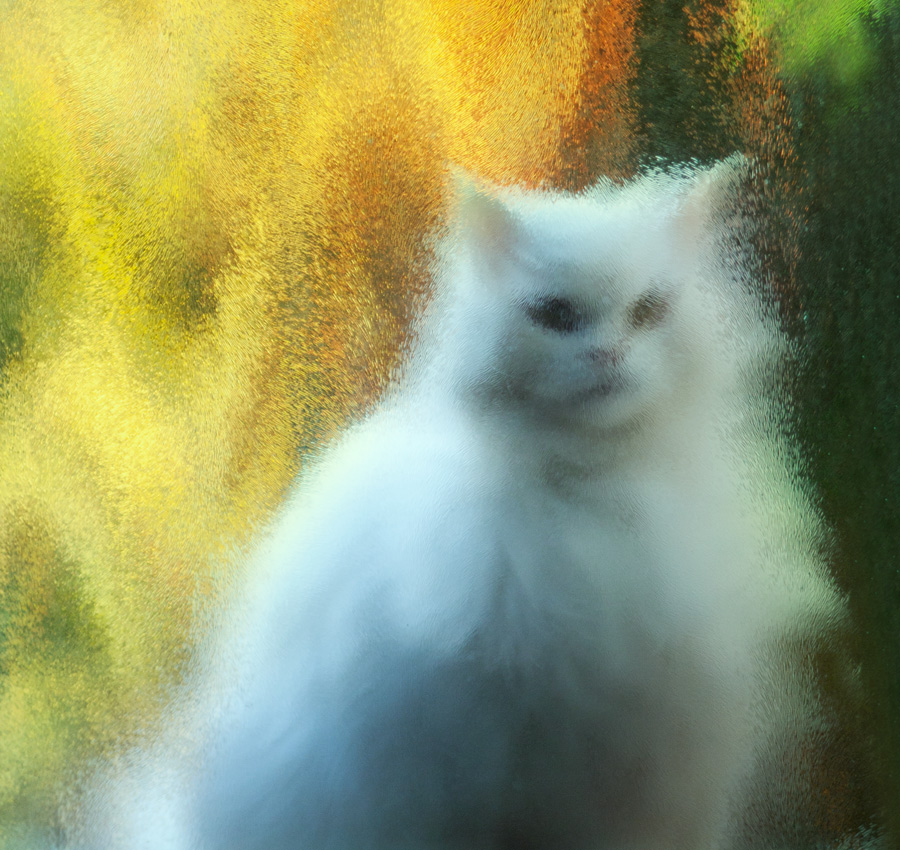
(556, 314)
(649, 310)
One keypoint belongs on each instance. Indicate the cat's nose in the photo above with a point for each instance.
(606, 356)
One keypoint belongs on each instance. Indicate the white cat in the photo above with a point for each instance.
(533, 602)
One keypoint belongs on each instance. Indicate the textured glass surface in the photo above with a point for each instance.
(220, 224)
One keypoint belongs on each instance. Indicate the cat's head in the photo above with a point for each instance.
(598, 308)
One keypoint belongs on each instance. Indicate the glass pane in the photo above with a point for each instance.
(433, 425)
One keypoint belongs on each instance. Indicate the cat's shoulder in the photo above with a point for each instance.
(389, 512)
(396, 451)
(398, 468)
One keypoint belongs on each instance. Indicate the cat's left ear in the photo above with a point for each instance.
(481, 210)
(711, 196)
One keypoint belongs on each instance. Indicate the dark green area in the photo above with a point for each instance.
(25, 225)
(848, 282)
(50, 632)
(829, 190)
(682, 84)
(27, 213)
(46, 614)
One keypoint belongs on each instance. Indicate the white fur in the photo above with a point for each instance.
(532, 601)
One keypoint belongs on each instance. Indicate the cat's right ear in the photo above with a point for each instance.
(711, 194)
(485, 219)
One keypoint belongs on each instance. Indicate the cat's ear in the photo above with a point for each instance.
(711, 197)
(485, 218)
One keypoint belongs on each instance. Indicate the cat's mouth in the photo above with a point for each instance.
(603, 389)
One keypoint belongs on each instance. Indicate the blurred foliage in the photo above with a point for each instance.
(821, 127)
(847, 278)
(833, 33)
(216, 222)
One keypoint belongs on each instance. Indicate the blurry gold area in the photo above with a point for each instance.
(215, 222)
(537, 89)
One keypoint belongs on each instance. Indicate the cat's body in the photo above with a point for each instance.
(532, 601)
(561, 687)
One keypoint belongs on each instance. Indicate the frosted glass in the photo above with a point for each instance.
(430, 425)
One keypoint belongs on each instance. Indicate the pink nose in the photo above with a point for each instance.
(606, 356)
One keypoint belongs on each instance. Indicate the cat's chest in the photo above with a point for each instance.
(621, 538)
(642, 566)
